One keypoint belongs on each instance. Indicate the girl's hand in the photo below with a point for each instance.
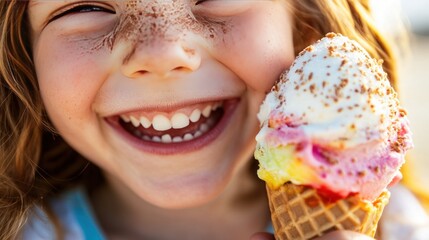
(336, 235)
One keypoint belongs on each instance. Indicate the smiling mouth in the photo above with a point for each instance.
(177, 127)
(181, 130)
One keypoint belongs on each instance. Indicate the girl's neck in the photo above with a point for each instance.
(237, 213)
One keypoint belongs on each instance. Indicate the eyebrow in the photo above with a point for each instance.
(37, 2)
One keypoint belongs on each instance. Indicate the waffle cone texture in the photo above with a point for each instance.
(299, 212)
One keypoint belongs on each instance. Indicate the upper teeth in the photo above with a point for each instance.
(146, 123)
(195, 115)
(161, 122)
(179, 120)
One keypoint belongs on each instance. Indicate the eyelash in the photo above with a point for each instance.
(81, 8)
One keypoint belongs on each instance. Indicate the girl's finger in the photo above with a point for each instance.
(262, 236)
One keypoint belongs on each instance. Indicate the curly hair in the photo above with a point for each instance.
(35, 162)
(351, 18)
(20, 119)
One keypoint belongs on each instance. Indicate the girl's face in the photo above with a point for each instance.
(161, 94)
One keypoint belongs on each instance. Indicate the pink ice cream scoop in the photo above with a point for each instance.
(333, 122)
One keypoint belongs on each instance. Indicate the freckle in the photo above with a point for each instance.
(189, 51)
(145, 21)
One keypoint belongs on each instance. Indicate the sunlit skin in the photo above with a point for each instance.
(96, 60)
(83, 81)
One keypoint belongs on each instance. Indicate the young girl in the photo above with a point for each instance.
(136, 119)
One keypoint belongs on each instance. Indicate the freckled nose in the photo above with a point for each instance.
(161, 58)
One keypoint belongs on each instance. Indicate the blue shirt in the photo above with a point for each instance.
(73, 211)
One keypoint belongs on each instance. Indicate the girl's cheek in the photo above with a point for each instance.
(69, 72)
(258, 47)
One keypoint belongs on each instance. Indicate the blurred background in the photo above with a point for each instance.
(414, 80)
(415, 93)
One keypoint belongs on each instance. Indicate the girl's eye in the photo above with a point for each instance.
(224, 7)
(83, 8)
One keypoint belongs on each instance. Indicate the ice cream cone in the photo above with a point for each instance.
(299, 212)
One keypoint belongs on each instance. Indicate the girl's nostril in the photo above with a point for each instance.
(180, 69)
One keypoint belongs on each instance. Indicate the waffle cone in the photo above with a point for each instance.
(299, 212)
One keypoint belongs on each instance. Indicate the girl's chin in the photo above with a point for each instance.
(185, 193)
(198, 183)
